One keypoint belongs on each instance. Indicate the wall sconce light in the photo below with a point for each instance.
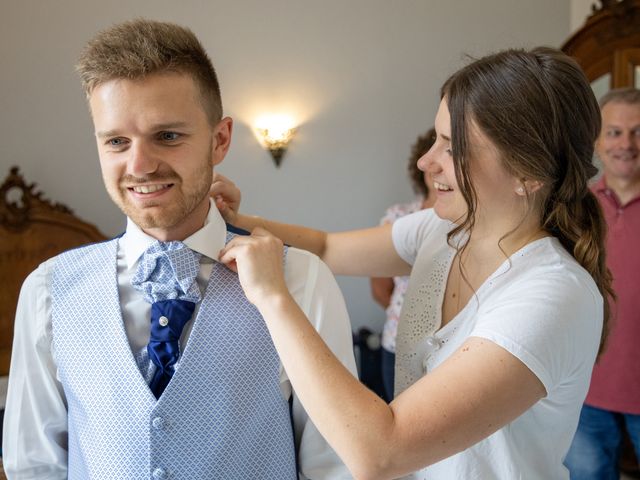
(275, 132)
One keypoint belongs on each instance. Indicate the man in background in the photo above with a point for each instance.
(613, 401)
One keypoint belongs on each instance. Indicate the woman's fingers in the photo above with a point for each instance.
(257, 259)
(258, 235)
(217, 176)
(260, 232)
(226, 195)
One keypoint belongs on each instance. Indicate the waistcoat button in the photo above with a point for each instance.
(160, 474)
(158, 423)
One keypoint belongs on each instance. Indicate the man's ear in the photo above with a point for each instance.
(221, 140)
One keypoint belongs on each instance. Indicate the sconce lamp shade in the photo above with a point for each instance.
(277, 154)
(275, 136)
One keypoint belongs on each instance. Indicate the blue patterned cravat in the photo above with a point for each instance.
(166, 276)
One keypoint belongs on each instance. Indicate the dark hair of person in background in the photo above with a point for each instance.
(419, 148)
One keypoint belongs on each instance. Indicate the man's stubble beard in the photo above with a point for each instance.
(171, 215)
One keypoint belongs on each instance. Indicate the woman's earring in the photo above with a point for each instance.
(520, 190)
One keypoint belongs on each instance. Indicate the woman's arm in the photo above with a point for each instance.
(368, 252)
(479, 389)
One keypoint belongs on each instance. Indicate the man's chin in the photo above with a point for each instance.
(162, 215)
(149, 223)
(622, 171)
(150, 219)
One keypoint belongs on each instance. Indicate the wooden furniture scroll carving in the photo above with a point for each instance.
(32, 230)
(609, 42)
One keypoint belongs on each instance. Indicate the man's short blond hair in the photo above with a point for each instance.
(132, 50)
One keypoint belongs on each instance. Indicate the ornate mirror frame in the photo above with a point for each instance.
(609, 43)
(32, 229)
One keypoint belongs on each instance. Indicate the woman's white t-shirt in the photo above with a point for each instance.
(541, 306)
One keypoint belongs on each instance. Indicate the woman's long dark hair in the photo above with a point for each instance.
(538, 109)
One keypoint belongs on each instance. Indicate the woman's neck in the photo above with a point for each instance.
(503, 238)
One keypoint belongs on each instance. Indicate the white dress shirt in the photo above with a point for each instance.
(35, 423)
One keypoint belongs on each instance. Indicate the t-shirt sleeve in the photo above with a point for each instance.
(552, 324)
(411, 231)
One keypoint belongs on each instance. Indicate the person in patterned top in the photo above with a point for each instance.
(389, 292)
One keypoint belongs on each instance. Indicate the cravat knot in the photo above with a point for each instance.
(167, 271)
(166, 276)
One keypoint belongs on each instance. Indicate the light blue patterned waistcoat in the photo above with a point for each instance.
(222, 415)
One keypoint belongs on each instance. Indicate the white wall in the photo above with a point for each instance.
(363, 75)
(579, 11)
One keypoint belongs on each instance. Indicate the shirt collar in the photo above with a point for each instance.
(208, 241)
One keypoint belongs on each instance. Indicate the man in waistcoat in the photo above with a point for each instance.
(140, 357)
(613, 402)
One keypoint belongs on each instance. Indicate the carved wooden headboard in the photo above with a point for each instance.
(609, 42)
(32, 229)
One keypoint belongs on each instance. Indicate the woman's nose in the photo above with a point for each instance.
(429, 163)
(423, 162)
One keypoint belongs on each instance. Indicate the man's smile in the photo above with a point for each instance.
(146, 189)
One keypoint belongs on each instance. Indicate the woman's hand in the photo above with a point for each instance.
(258, 261)
(227, 197)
